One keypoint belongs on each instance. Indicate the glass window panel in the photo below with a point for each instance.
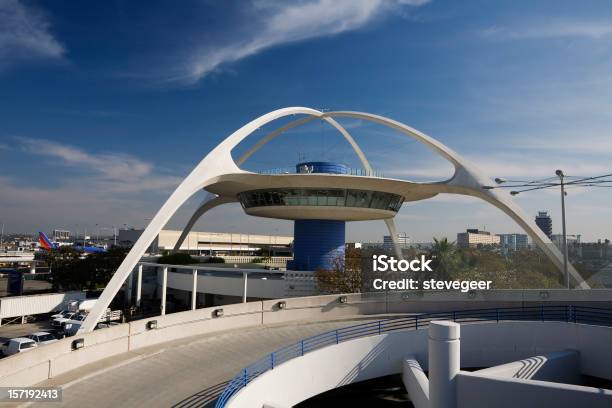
(312, 197)
(322, 197)
(351, 198)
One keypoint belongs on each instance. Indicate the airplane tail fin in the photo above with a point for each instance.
(45, 242)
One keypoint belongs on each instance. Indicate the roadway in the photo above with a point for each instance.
(185, 373)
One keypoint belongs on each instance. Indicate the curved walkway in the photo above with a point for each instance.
(185, 373)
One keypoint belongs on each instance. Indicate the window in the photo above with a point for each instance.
(321, 197)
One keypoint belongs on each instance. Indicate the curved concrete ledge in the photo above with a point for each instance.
(483, 345)
(52, 360)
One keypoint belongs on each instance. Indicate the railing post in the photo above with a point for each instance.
(454, 316)
(245, 377)
(272, 360)
(542, 312)
(302, 346)
(379, 327)
(575, 315)
(497, 315)
(337, 337)
(416, 322)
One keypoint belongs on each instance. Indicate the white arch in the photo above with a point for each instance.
(209, 203)
(467, 181)
(217, 162)
(266, 139)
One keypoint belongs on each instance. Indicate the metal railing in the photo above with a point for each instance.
(349, 172)
(563, 313)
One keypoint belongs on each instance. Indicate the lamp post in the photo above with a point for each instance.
(561, 176)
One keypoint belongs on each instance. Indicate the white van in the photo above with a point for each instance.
(18, 345)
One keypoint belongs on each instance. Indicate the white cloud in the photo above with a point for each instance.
(278, 23)
(110, 172)
(25, 35)
(551, 29)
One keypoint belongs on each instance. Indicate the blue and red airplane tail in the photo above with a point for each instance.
(45, 242)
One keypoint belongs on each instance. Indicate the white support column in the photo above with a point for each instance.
(244, 290)
(164, 287)
(444, 363)
(194, 291)
(128, 288)
(393, 232)
(139, 286)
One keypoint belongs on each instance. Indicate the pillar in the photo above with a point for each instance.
(244, 289)
(139, 286)
(194, 289)
(444, 363)
(164, 288)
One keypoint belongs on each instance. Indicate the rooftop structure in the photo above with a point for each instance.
(224, 180)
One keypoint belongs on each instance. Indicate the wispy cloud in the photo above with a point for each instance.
(25, 35)
(550, 29)
(278, 23)
(111, 172)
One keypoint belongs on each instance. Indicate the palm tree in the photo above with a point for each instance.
(444, 257)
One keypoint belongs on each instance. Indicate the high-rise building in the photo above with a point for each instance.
(544, 221)
(402, 239)
(476, 238)
(513, 242)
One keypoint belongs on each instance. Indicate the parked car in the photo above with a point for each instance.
(42, 338)
(60, 314)
(57, 322)
(71, 327)
(18, 345)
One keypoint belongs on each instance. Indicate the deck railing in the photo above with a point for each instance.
(564, 313)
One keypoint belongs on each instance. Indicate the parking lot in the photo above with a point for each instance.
(14, 330)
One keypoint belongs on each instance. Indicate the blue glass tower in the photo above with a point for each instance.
(318, 243)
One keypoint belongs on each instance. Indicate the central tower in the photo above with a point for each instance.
(318, 243)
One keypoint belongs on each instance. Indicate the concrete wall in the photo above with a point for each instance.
(47, 361)
(482, 345)
(475, 391)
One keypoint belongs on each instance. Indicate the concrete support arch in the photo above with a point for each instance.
(266, 139)
(216, 163)
(208, 204)
(468, 180)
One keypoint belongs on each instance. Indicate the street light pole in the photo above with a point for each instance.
(561, 177)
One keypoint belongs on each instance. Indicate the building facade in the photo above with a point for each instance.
(212, 243)
(513, 242)
(544, 221)
(403, 241)
(473, 238)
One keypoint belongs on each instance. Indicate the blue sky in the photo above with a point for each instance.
(106, 106)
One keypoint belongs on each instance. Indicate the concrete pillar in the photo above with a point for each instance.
(244, 290)
(164, 287)
(444, 363)
(139, 286)
(128, 288)
(194, 291)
